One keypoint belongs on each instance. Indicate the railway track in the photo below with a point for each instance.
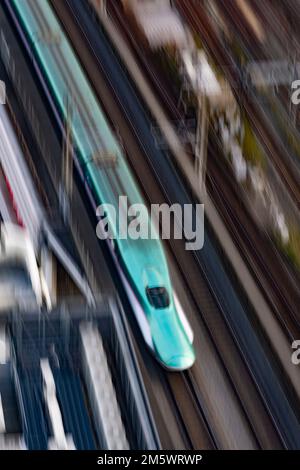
(143, 56)
(194, 424)
(258, 251)
(245, 390)
(196, 432)
(256, 247)
(197, 18)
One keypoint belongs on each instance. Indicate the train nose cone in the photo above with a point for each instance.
(181, 362)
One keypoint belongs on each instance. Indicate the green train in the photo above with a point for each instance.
(141, 262)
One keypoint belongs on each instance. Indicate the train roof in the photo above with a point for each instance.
(99, 152)
(91, 132)
(92, 135)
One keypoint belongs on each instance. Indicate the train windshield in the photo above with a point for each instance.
(158, 297)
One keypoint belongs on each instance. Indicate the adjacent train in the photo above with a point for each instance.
(103, 167)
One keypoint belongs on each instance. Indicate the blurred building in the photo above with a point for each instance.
(70, 380)
(158, 21)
